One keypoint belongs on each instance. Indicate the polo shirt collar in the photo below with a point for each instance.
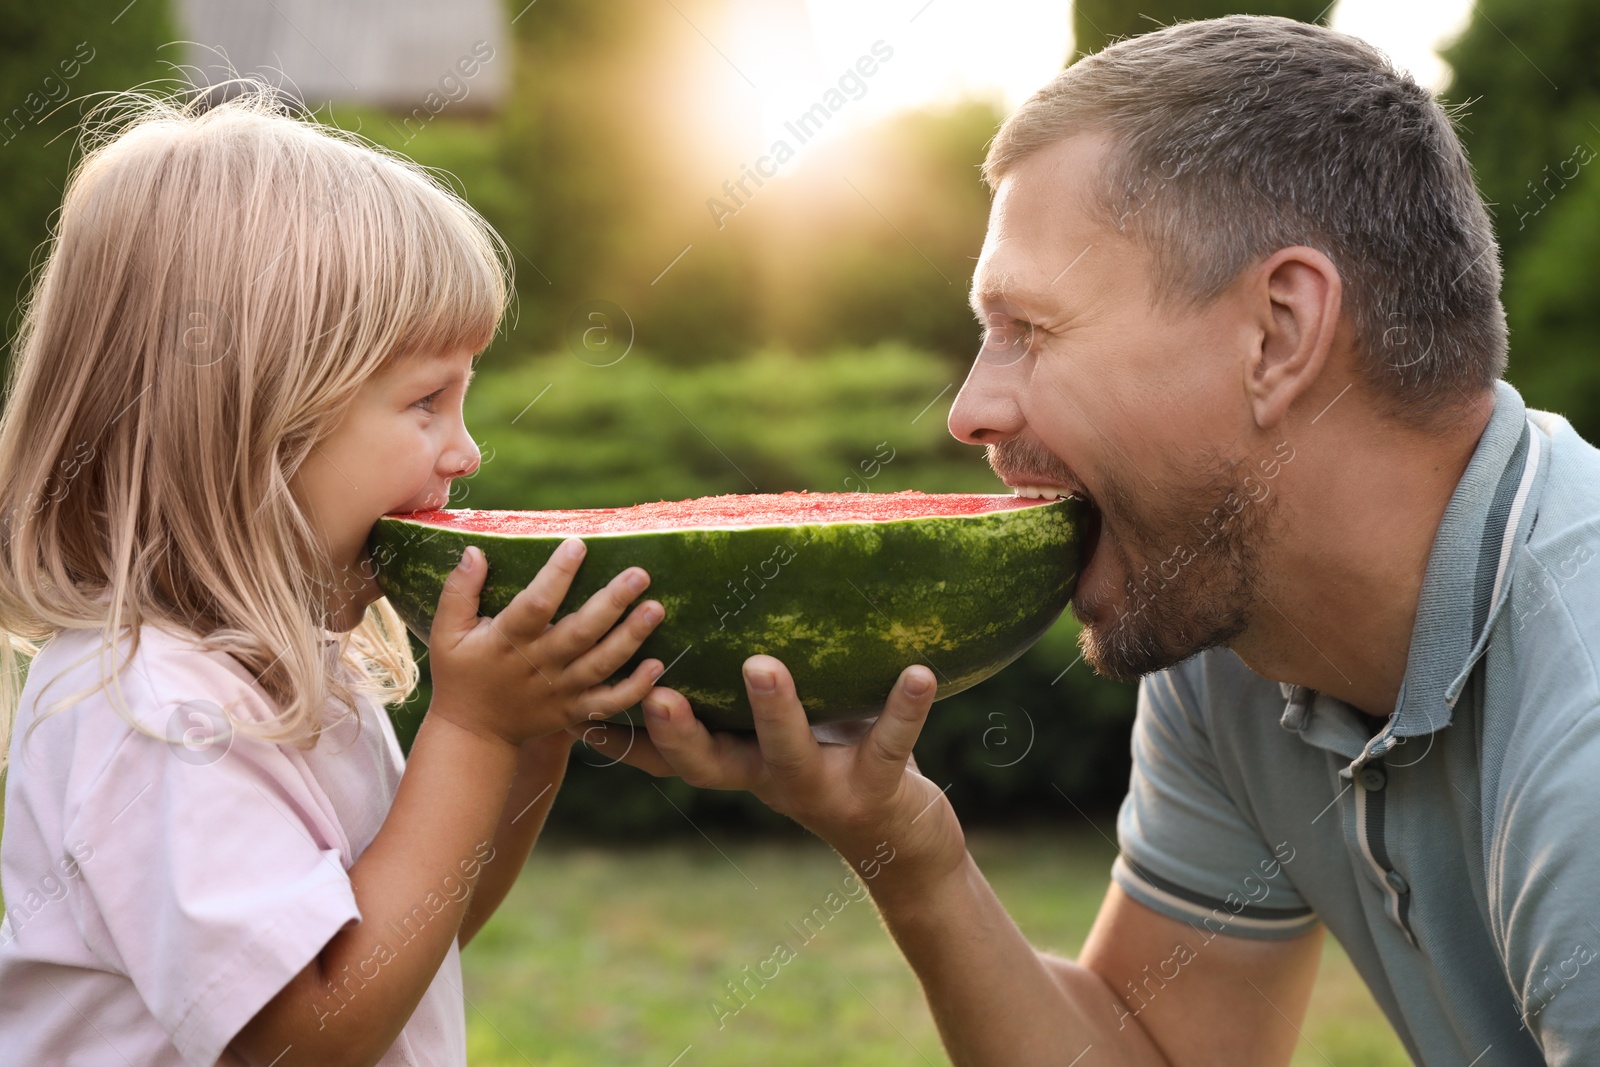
(1466, 582)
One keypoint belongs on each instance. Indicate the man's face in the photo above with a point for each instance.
(1083, 388)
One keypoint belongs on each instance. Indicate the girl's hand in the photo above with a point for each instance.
(515, 676)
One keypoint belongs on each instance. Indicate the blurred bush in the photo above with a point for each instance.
(1528, 84)
(53, 57)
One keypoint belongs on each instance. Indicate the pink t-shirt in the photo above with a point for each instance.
(159, 894)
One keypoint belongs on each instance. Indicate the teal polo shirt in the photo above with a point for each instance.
(1452, 849)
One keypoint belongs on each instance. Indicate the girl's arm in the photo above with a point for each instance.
(541, 764)
(499, 684)
(412, 885)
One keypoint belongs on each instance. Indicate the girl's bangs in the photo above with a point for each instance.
(453, 285)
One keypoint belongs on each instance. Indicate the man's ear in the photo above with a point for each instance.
(1296, 295)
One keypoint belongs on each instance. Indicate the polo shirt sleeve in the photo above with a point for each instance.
(217, 873)
(1543, 874)
(1186, 850)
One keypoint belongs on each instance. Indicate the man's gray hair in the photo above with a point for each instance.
(1238, 136)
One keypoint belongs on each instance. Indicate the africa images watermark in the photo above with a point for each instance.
(803, 127)
(344, 986)
(1253, 888)
(50, 889)
(781, 556)
(452, 88)
(742, 991)
(1551, 984)
(51, 90)
(1541, 195)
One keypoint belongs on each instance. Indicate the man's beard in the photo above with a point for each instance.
(1191, 558)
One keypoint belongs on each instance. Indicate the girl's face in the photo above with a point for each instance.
(398, 447)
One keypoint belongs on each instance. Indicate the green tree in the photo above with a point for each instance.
(52, 58)
(1529, 88)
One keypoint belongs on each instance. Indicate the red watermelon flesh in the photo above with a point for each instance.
(726, 512)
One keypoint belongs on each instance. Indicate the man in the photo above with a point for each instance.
(1242, 295)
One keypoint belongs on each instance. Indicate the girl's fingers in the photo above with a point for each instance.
(882, 754)
(457, 612)
(787, 743)
(720, 761)
(602, 661)
(606, 700)
(531, 610)
(577, 632)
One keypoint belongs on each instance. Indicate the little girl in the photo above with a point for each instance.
(250, 340)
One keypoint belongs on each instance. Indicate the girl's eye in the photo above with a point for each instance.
(427, 402)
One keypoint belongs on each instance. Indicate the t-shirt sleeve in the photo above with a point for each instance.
(1186, 850)
(217, 871)
(1542, 877)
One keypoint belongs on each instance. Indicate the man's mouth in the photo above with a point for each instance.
(1042, 492)
(1091, 531)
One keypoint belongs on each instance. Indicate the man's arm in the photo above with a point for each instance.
(997, 1000)
(1184, 1000)
(1203, 999)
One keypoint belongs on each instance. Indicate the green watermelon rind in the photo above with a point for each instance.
(845, 605)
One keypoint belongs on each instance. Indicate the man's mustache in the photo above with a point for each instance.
(1022, 459)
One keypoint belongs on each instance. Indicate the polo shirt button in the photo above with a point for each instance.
(1397, 882)
(1373, 778)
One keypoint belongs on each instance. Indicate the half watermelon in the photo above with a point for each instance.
(847, 589)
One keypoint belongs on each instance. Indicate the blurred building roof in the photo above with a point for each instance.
(386, 53)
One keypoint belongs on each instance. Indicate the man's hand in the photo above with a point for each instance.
(854, 796)
(996, 1000)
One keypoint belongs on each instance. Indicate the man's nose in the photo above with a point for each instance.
(987, 410)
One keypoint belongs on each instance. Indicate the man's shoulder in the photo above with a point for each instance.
(1570, 501)
(1216, 679)
(1553, 616)
(1543, 679)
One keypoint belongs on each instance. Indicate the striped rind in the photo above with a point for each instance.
(845, 605)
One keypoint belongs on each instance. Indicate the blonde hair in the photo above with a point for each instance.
(219, 284)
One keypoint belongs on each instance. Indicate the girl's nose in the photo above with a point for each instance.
(461, 461)
(463, 456)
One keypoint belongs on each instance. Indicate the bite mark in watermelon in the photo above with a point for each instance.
(847, 589)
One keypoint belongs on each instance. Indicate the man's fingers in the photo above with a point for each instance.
(457, 612)
(621, 742)
(787, 743)
(605, 700)
(531, 610)
(885, 750)
(699, 757)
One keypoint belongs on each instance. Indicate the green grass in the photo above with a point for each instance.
(617, 955)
